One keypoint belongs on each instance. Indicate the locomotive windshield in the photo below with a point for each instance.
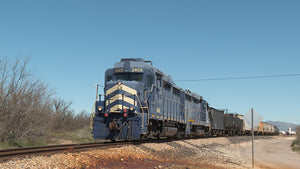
(129, 76)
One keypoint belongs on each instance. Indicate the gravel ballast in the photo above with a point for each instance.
(221, 152)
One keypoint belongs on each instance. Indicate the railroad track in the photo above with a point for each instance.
(8, 154)
(48, 150)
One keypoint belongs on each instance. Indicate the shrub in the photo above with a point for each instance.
(28, 108)
(24, 102)
(296, 143)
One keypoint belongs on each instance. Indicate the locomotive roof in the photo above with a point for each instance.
(134, 62)
(139, 62)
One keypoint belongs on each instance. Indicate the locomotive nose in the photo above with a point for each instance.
(120, 97)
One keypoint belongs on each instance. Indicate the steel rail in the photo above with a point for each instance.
(7, 154)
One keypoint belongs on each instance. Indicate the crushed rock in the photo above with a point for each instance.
(221, 152)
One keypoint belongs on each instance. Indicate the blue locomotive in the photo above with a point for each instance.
(141, 102)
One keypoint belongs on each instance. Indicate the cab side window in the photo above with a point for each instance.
(109, 78)
(149, 80)
(203, 106)
(158, 82)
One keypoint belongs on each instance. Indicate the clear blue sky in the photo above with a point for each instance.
(72, 42)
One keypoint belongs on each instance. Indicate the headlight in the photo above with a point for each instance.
(100, 109)
(131, 109)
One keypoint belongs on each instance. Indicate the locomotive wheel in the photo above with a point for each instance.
(144, 137)
(152, 135)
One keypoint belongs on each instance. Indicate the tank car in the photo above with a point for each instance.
(141, 102)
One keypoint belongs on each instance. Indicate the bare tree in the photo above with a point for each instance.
(28, 108)
(64, 119)
(61, 116)
(24, 102)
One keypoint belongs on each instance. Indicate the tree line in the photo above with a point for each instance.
(28, 108)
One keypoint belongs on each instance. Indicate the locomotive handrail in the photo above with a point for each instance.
(142, 110)
(146, 100)
(94, 106)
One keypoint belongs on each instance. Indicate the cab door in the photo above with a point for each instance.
(149, 87)
(158, 96)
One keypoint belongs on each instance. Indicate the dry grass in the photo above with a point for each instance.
(296, 143)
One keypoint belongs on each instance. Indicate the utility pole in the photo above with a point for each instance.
(252, 118)
(252, 137)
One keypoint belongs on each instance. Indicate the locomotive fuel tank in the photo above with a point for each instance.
(168, 132)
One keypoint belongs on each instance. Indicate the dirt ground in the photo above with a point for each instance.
(221, 152)
(276, 153)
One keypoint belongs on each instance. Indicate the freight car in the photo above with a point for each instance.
(265, 128)
(233, 125)
(216, 121)
(225, 124)
(141, 102)
(222, 124)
